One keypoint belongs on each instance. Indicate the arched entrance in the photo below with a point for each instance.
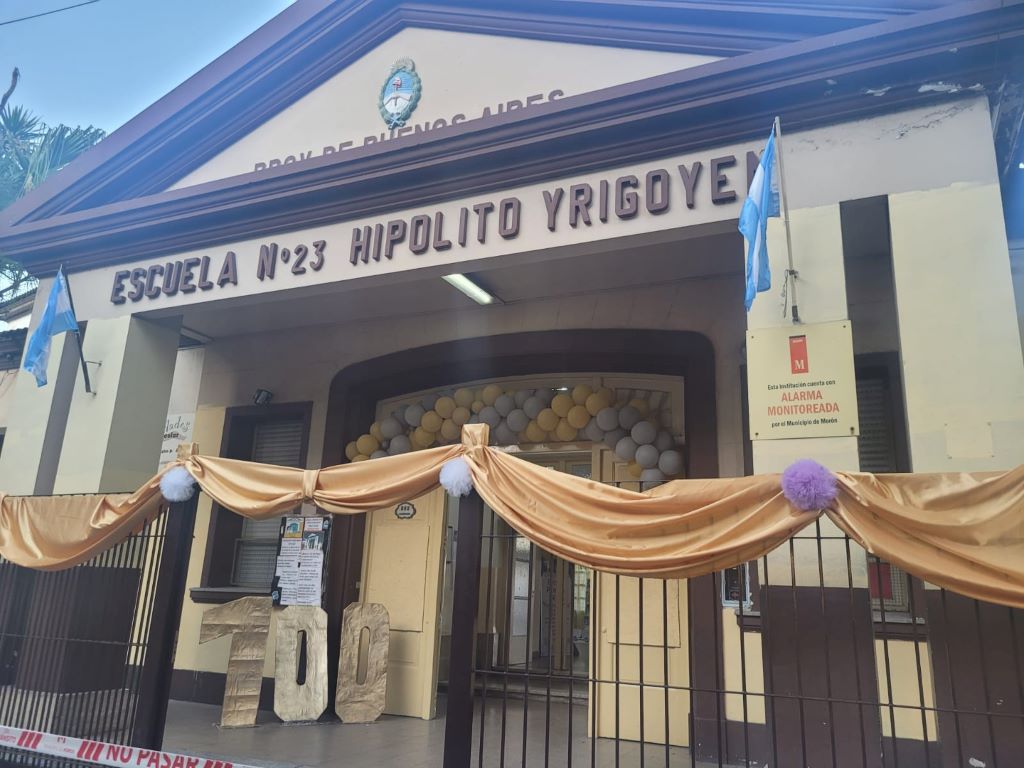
(357, 389)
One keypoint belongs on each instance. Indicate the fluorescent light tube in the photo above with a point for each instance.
(468, 287)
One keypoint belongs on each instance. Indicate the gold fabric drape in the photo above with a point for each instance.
(956, 530)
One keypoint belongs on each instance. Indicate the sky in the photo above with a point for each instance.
(102, 64)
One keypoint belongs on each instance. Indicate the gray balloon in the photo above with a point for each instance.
(390, 427)
(628, 417)
(399, 444)
(546, 396)
(671, 462)
(625, 449)
(518, 420)
(647, 456)
(505, 435)
(652, 476)
(608, 419)
(664, 441)
(490, 416)
(414, 414)
(533, 405)
(474, 419)
(522, 396)
(643, 432)
(378, 454)
(428, 402)
(399, 413)
(504, 405)
(612, 437)
(593, 431)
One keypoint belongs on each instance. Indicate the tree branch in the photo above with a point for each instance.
(15, 76)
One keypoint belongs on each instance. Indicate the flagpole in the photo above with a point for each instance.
(78, 333)
(790, 273)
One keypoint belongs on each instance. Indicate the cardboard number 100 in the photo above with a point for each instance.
(247, 621)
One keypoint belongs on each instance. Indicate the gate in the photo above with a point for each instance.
(817, 655)
(88, 651)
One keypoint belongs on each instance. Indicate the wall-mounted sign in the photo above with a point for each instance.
(801, 381)
(177, 430)
(301, 561)
(405, 511)
(400, 93)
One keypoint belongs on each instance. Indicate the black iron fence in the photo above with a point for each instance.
(88, 651)
(817, 655)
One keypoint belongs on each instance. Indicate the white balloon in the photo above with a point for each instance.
(643, 432)
(505, 435)
(533, 405)
(504, 405)
(625, 449)
(664, 441)
(522, 396)
(378, 454)
(518, 420)
(628, 416)
(399, 413)
(428, 402)
(413, 414)
(593, 431)
(608, 418)
(647, 456)
(671, 462)
(490, 416)
(390, 427)
(399, 444)
(652, 476)
(612, 437)
(546, 396)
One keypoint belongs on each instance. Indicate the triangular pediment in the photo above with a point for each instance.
(462, 77)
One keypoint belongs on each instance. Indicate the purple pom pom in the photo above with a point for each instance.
(808, 485)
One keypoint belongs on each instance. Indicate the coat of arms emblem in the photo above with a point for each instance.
(400, 93)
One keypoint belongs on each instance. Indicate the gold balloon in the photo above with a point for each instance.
(478, 405)
(351, 451)
(444, 407)
(535, 433)
(634, 469)
(548, 420)
(578, 417)
(491, 393)
(375, 431)
(641, 405)
(422, 438)
(450, 430)
(431, 421)
(607, 393)
(580, 393)
(464, 397)
(461, 415)
(561, 404)
(367, 444)
(565, 431)
(360, 457)
(596, 403)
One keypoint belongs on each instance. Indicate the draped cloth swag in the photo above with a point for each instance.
(962, 531)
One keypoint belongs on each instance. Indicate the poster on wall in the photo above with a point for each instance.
(801, 381)
(301, 561)
(177, 430)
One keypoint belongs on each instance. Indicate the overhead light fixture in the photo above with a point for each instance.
(468, 287)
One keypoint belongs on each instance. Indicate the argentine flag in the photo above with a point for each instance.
(59, 316)
(762, 201)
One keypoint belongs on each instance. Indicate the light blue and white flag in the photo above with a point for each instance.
(762, 202)
(58, 317)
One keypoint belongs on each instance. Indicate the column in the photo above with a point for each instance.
(113, 436)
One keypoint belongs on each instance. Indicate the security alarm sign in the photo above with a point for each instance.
(801, 381)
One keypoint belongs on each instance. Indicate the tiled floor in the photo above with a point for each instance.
(405, 742)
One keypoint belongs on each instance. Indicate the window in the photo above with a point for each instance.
(241, 553)
(736, 587)
(889, 586)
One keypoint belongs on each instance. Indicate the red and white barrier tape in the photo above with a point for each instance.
(101, 753)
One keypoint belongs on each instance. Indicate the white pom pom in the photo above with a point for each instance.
(456, 477)
(177, 484)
